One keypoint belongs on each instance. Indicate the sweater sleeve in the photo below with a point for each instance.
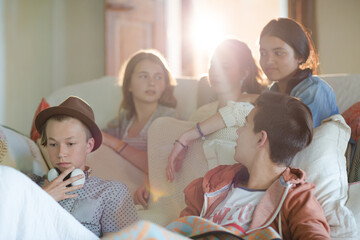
(234, 113)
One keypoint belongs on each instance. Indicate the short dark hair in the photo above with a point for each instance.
(288, 123)
(60, 118)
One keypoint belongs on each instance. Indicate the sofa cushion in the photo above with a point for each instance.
(352, 118)
(97, 93)
(108, 165)
(167, 199)
(325, 165)
(20, 152)
(346, 88)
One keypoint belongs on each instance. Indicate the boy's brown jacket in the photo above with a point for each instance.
(301, 215)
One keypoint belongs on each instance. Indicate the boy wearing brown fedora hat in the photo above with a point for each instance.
(69, 133)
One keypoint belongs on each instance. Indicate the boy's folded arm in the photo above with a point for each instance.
(306, 218)
(194, 198)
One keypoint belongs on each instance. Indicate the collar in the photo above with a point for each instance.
(87, 172)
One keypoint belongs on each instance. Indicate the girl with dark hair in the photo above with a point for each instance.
(288, 58)
(147, 88)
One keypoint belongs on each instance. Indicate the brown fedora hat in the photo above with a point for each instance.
(74, 107)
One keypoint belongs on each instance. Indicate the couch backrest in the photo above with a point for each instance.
(346, 88)
(104, 96)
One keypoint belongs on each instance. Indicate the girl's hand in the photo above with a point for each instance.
(175, 160)
(57, 188)
(142, 196)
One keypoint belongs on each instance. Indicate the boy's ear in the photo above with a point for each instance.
(90, 145)
(262, 138)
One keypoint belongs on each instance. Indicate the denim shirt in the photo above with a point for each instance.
(317, 95)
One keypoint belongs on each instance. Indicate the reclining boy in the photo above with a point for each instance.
(261, 190)
(69, 133)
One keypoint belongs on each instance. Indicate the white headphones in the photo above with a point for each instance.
(54, 173)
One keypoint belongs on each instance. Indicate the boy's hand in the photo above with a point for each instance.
(142, 196)
(57, 188)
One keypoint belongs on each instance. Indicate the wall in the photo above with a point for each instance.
(46, 44)
(2, 63)
(27, 68)
(338, 36)
(173, 36)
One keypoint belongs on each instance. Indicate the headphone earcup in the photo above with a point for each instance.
(52, 174)
(76, 172)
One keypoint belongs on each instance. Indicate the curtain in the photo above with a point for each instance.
(304, 12)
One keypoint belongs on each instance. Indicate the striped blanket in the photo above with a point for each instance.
(189, 228)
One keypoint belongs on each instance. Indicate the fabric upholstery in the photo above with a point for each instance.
(167, 199)
(104, 159)
(20, 152)
(352, 118)
(353, 201)
(346, 88)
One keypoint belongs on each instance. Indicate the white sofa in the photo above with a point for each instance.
(104, 95)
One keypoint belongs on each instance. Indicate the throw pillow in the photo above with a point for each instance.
(34, 135)
(20, 152)
(352, 118)
(325, 165)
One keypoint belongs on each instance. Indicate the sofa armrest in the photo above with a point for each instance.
(353, 202)
(20, 152)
